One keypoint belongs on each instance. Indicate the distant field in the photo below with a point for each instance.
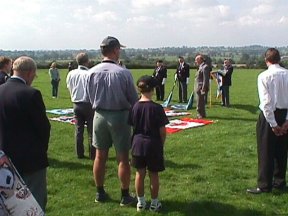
(207, 169)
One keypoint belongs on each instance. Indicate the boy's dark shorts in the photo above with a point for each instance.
(153, 164)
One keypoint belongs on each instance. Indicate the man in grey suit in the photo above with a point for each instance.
(201, 85)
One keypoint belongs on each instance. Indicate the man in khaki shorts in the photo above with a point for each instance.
(111, 92)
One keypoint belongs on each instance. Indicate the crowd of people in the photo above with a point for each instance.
(105, 99)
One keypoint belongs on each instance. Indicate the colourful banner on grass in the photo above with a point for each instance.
(177, 125)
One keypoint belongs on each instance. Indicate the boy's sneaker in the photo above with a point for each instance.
(141, 206)
(155, 208)
(100, 197)
(127, 200)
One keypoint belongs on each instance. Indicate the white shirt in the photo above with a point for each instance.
(273, 90)
(76, 83)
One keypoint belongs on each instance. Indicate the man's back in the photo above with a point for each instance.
(24, 127)
(76, 83)
(111, 87)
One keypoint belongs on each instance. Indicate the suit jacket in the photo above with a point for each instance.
(202, 78)
(24, 126)
(226, 80)
(3, 77)
(160, 73)
(183, 72)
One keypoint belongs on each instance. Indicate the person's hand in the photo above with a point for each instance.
(278, 131)
(187, 80)
(285, 127)
(163, 81)
(175, 76)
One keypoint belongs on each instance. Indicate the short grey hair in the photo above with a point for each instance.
(82, 58)
(24, 64)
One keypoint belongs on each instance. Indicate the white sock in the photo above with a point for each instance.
(154, 201)
(141, 199)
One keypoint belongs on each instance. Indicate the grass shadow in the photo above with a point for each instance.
(205, 208)
(247, 107)
(171, 164)
(78, 165)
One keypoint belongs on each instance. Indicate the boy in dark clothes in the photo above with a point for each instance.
(148, 120)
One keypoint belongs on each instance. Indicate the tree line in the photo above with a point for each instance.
(246, 56)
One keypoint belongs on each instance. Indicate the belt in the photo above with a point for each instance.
(108, 110)
(81, 103)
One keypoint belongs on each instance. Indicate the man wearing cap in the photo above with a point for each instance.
(182, 75)
(111, 92)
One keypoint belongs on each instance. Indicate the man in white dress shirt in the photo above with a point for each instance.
(272, 125)
(76, 83)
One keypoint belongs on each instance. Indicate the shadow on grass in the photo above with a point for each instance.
(77, 165)
(250, 108)
(171, 164)
(205, 208)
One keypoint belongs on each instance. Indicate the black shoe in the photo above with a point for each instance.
(101, 197)
(127, 200)
(280, 187)
(257, 191)
(81, 156)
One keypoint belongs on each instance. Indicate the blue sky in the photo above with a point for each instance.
(82, 24)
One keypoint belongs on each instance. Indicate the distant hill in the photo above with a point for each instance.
(252, 56)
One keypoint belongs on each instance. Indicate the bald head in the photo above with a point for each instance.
(199, 60)
(25, 67)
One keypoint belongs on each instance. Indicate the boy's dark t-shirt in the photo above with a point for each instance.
(147, 117)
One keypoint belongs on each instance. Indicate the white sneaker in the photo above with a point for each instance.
(141, 206)
(155, 208)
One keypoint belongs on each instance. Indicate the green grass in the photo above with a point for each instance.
(207, 169)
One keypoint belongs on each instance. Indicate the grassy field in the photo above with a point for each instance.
(208, 169)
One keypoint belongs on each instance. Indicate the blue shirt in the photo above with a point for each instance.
(111, 87)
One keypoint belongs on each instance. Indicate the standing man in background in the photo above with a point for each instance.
(272, 125)
(201, 85)
(55, 79)
(112, 93)
(70, 67)
(25, 128)
(182, 75)
(160, 73)
(226, 82)
(5, 68)
(77, 83)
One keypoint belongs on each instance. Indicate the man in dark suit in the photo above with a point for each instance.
(201, 85)
(25, 128)
(160, 73)
(226, 82)
(5, 68)
(182, 74)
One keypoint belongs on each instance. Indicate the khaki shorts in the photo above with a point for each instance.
(111, 127)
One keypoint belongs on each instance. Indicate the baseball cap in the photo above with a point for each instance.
(111, 42)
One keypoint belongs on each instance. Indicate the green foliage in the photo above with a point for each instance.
(207, 169)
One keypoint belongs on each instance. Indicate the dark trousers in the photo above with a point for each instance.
(55, 84)
(272, 153)
(182, 91)
(83, 115)
(37, 184)
(160, 92)
(225, 96)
